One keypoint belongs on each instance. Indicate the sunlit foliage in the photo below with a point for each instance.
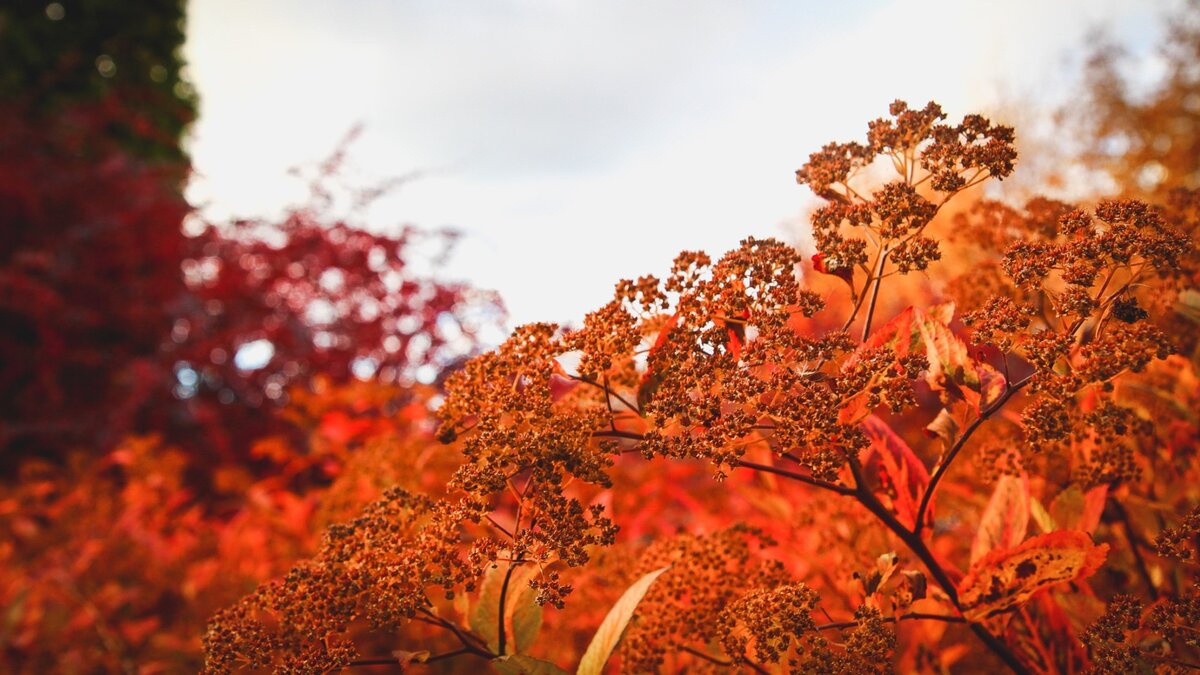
(915, 491)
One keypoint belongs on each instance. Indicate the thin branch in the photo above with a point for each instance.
(432, 619)
(911, 616)
(500, 635)
(883, 254)
(722, 662)
(393, 661)
(608, 392)
(910, 538)
(940, 470)
(448, 655)
(786, 473)
(374, 661)
(917, 545)
(707, 657)
(612, 416)
(616, 433)
(480, 647)
(498, 526)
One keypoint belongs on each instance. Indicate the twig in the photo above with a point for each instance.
(630, 435)
(883, 254)
(911, 616)
(722, 662)
(940, 470)
(786, 473)
(466, 639)
(498, 526)
(500, 636)
(607, 391)
(393, 661)
(707, 657)
(915, 544)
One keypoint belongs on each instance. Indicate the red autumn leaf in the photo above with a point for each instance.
(735, 332)
(1005, 519)
(952, 372)
(844, 273)
(1041, 636)
(901, 474)
(1006, 578)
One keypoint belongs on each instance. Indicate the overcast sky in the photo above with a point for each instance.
(575, 143)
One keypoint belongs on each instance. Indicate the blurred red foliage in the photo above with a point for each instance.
(114, 321)
(89, 273)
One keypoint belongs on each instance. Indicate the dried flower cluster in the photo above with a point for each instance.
(1072, 311)
(946, 159)
(378, 568)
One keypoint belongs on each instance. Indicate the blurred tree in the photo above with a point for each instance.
(1144, 139)
(89, 272)
(1145, 135)
(57, 53)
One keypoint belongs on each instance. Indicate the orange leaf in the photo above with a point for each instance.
(1005, 518)
(951, 368)
(1006, 578)
(902, 475)
(952, 372)
(1074, 509)
(735, 334)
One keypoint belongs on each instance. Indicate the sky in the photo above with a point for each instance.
(576, 143)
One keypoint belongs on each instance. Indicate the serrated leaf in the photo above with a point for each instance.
(519, 664)
(1005, 519)
(609, 633)
(952, 372)
(949, 363)
(1005, 579)
(901, 474)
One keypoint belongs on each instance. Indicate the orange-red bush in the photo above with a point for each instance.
(930, 490)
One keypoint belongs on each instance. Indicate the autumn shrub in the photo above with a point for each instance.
(112, 563)
(756, 470)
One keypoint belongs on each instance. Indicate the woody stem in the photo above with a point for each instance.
(915, 544)
(940, 470)
(500, 635)
(874, 293)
